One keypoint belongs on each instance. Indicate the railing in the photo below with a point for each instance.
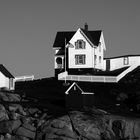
(106, 79)
(120, 76)
(24, 78)
(62, 75)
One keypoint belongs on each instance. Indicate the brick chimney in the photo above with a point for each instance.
(86, 27)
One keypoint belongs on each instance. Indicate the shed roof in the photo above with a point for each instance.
(5, 71)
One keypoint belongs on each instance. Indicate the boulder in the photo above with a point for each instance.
(5, 96)
(3, 113)
(17, 108)
(13, 97)
(1, 137)
(90, 125)
(9, 126)
(29, 127)
(25, 132)
(33, 110)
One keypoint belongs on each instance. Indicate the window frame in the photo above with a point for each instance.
(100, 49)
(125, 60)
(95, 59)
(100, 59)
(80, 46)
(80, 61)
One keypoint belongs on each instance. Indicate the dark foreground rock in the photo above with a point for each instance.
(18, 122)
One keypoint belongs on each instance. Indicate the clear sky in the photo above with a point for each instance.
(28, 29)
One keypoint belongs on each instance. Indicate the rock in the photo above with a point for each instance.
(29, 127)
(9, 126)
(59, 128)
(44, 116)
(3, 113)
(33, 110)
(137, 129)
(14, 115)
(1, 137)
(17, 108)
(19, 138)
(90, 125)
(5, 127)
(25, 132)
(8, 136)
(39, 123)
(13, 97)
(26, 119)
(15, 124)
(58, 124)
(5, 96)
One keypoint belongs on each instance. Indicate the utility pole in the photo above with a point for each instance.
(65, 60)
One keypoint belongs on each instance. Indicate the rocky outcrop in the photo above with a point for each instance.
(21, 122)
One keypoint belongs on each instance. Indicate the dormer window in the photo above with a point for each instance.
(80, 44)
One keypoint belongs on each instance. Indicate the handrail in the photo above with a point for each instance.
(24, 78)
(107, 79)
(120, 76)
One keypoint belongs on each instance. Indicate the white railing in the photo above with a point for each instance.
(106, 79)
(62, 75)
(24, 78)
(120, 76)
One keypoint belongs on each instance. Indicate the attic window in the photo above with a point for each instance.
(99, 46)
(80, 44)
(126, 61)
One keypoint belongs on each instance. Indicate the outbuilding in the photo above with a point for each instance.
(76, 97)
(6, 78)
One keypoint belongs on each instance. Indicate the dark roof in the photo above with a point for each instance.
(93, 36)
(60, 38)
(97, 73)
(60, 52)
(123, 56)
(5, 71)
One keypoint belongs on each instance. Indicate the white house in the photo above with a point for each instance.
(79, 56)
(6, 78)
(81, 49)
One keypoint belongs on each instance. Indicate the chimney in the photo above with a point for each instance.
(86, 27)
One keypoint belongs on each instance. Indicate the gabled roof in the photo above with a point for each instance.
(5, 71)
(60, 52)
(74, 84)
(87, 91)
(93, 36)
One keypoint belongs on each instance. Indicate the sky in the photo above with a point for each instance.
(28, 29)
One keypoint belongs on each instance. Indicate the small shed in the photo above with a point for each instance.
(6, 78)
(75, 97)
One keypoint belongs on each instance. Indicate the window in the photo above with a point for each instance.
(80, 44)
(100, 59)
(80, 59)
(99, 46)
(95, 59)
(126, 61)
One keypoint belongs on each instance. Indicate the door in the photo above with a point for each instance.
(108, 64)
